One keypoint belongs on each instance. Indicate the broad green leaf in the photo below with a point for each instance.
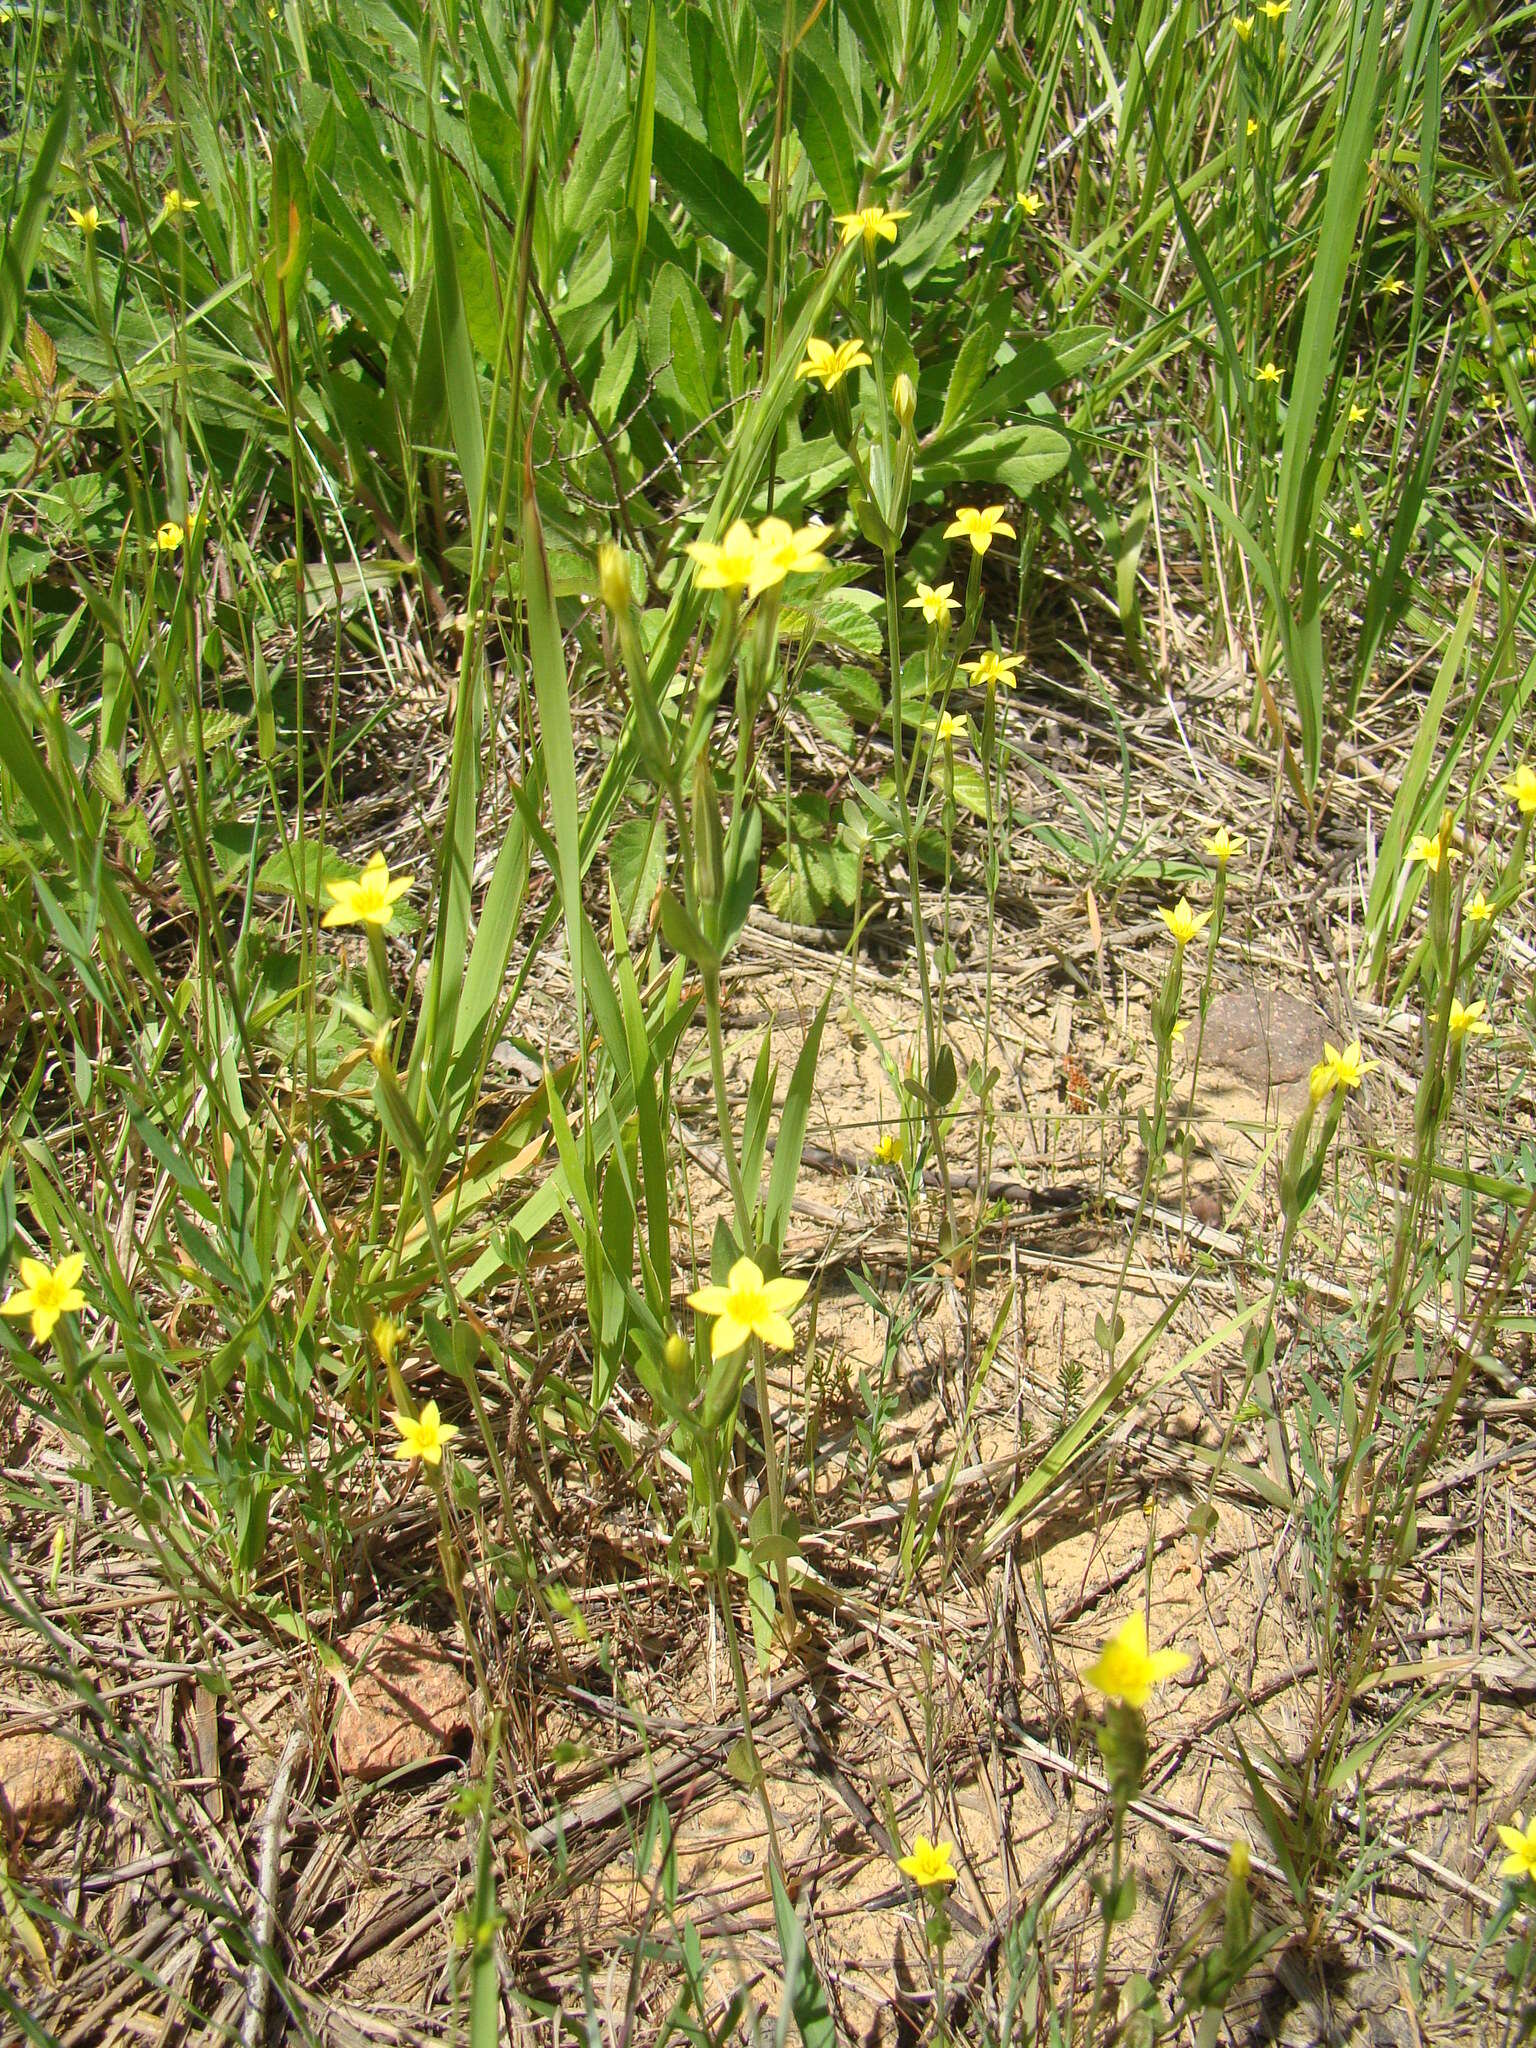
(816, 109)
(716, 198)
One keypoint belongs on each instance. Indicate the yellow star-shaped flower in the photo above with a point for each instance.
(929, 1863)
(1243, 28)
(829, 365)
(1030, 204)
(951, 730)
(1392, 287)
(992, 668)
(1269, 374)
(1425, 846)
(1521, 789)
(169, 536)
(874, 223)
(424, 1436)
(749, 1306)
(1185, 924)
(46, 1293)
(889, 1149)
(1346, 1069)
(1520, 1841)
(726, 564)
(1126, 1670)
(935, 602)
(1222, 847)
(371, 899)
(85, 218)
(1468, 1020)
(979, 525)
(785, 550)
(1275, 10)
(1357, 413)
(176, 202)
(1478, 910)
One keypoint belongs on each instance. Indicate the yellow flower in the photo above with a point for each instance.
(993, 668)
(1479, 910)
(1243, 27)
(1346, 1070)
(1521, 789)
(785, 550)
(889, 1150)
(176, 201)
(1391, 287)
(613, 578)
(935, 602)
(1425, 846)
(371, 899)
(1180, 1026)
(929, 1863)
(874, 223)
(1126, 1670)
(1252, 129)
(979, 527)
(1520, 1841)
(749, 1306)
(1269, 374)
(1357, 413)
(1356, 531)
(904, 401)
(426, 1437)
(727, 564)
(1468, 1021)
(1030, 203)
(1185, 924)
(829, 365)
(169, 537)
(950, 729)
(1222, 847)
(1275, 10)
(46, 1293)
(85, 218)
(386, 1334)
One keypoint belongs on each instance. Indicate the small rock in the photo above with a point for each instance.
(1265, 1037)
(408, 1704)
(42, 1783)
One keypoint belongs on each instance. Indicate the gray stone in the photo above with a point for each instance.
(1264, 1038)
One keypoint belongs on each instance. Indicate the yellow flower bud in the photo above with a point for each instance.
(613, 578)
(904, 401)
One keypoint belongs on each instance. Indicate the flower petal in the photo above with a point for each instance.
(775, 1331)
(710, 1301)
(785, 1294)
(728, 1336)
(33, 1272)
(67, 1272)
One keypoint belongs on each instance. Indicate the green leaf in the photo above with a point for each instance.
(289, 228)
(682, 343)
(716, 198)
(553, 693)
(461, 383)
(24, 230)
(816, 109)
(803, 1992)
(793, 1120)
(637, 860)
(1017, 458)
(638, 189)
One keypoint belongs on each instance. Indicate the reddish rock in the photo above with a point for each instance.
(42, 1783)
(408, 1703)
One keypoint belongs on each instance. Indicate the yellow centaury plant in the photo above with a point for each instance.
(1126, 1670)
(993, 668)
(749, 1306)
(423, 1436)
(46, 1293)
(935, 602)
(1520, 1841)
(829, 365)
(755, 562)
(929, 1863)
(1346, 1070)
(980, 526)
(1185, 924)
(874, 223)
(371, 899)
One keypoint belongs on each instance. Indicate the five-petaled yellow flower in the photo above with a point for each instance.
(1185, 924)
(950, 728)
(169, 536)
(371, 899)
(929, 1863)
(935, 602)
(889, 1149)
(991, 668)
(85, 218)
(1252, 129)
(785, 550)
(1390, 287)
(1479, 910)
(874, 223)
(1126, 1670)
(1468, 1020)
(829, 365)
(1244, 27)
(1030, 203)
(1346, 1069)
(46, 1293)
(1269, 374)
(1520, 1841)
(176, 201)
(1521, 789)
(1222, 847)
(425, 1436)
(1275, 10)
(1357, 413)
(749, 1306)
(980, 527)
(726, 564)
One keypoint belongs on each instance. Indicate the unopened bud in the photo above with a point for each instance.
(708, 836)
(613, 578)
(904, 401)
(675, 1353)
